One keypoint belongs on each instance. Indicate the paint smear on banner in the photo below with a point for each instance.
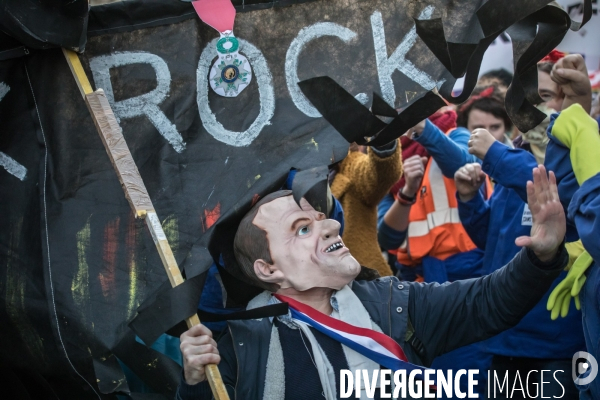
(171, 228)
(211, 216)
(109, 258)
(80, 286)
(132, 239)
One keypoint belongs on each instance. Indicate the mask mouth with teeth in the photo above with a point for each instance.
(305, 248)
(334, 247)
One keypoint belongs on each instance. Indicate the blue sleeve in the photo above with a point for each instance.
(383, 207)
(558, 159)
(290, 179)
(450, 152)
(585, 211)
(511, 168)
(388, 238)
(198, 391)
(475, 217)
(337, 213)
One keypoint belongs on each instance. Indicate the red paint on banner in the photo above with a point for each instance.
(211, 216)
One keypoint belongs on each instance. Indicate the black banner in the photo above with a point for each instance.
(75, 264)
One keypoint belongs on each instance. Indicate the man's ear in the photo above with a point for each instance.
(267, 272)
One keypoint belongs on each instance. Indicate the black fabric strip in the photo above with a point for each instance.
(157, 370)
(355, 122)
(239, 290)
(148, 396)
(273, 310)
(43, 25)
(534, 37)
(109, 374)
(168, 307)
(417, 111)
(14, 53)
(535, 27)
(495, 17)
(454, 56)
(587, 14)
(311, 184)
(127, 16)
(346, 114)
(380, 107)
(471, 73)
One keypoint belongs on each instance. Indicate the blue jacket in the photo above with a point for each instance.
(450, 152)
(493, 226)
(585, 211)
(583, 204)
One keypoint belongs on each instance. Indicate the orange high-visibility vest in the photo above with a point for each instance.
(434, 227)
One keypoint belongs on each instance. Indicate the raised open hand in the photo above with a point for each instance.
(549, 222)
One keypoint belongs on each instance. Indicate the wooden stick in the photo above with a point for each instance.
(135, 190)
(77, 69)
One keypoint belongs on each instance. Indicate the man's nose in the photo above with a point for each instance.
(329, 228)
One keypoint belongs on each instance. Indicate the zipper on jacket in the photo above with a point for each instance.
(390, 310)
(237, 362)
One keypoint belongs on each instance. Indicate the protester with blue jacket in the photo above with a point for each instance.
(573, 152)
(450, 153)
(537, 342)
(583, 204)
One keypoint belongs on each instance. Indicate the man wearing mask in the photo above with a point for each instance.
(297, 256)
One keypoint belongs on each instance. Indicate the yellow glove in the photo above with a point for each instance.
(574, 249)
(579, 132)
(560, 298)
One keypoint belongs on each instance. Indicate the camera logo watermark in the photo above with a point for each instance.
(582, 363)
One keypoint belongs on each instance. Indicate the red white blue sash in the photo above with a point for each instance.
(374, 345)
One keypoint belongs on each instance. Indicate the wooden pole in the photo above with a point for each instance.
(135, 190)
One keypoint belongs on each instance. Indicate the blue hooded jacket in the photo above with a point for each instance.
(493, 226)
(583, 220)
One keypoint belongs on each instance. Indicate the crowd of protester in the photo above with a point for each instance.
(460, 207)
(448, 201)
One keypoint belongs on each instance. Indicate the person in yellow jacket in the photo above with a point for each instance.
(360, 182)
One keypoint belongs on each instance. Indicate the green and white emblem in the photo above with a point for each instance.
(231, 72)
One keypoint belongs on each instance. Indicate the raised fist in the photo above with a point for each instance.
(468, 180)
(414, 168)
(571, 74)
(480, 142)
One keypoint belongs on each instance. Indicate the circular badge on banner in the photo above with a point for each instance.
(230, 75)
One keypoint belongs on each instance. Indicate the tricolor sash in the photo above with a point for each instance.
(374, 345)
